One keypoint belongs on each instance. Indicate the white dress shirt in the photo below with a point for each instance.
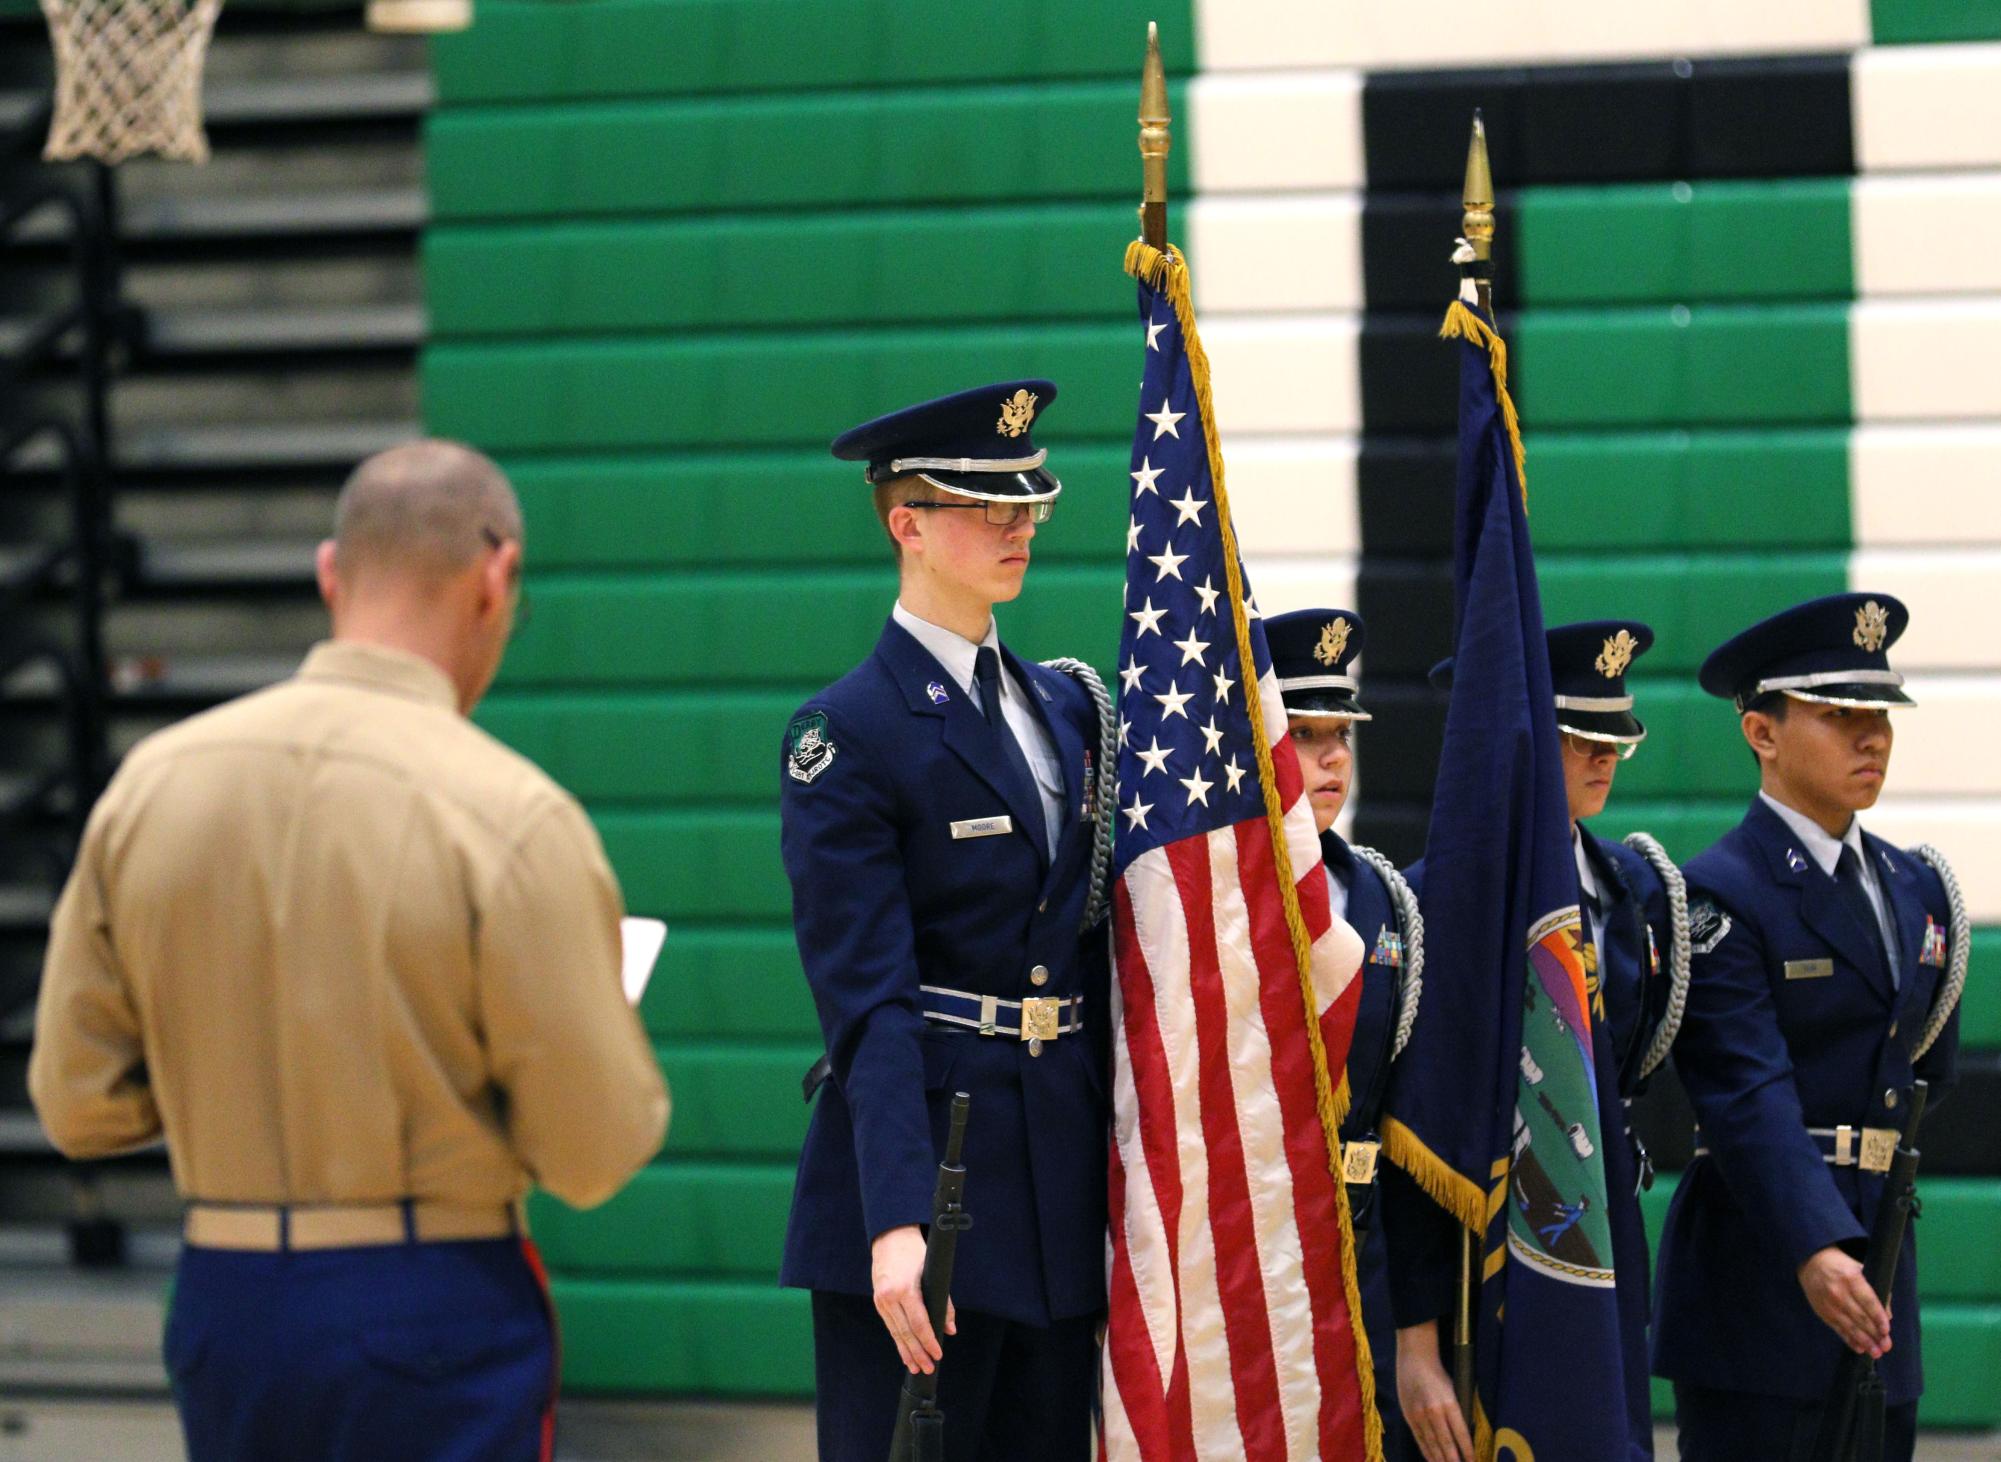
(1337, 895)
(1587, 883)
(957, 654)
(1826, 854)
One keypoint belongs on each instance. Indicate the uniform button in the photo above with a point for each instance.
(1893, 1030)
(1043, 907)
(1890, 1099)
(1039, 975)
(1035, 1048)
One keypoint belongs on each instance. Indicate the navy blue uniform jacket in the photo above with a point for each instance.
(1632, 973)
(1764, 1057)
(885, 899)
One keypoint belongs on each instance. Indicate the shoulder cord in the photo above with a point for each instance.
(1959, 935)
(1677, 900)
(1411, 991)
(1107, 789)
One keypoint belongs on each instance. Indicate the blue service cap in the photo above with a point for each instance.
(1587, 673)
(1313, 653)
(975, 443)
(1832, 650)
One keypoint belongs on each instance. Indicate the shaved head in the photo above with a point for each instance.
(422, 512)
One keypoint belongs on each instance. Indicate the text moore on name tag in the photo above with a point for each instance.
(983, 827)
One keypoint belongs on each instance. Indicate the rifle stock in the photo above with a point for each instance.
(1851, 1426)
(920, 1425)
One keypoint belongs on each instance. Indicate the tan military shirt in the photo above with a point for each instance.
(341, 946)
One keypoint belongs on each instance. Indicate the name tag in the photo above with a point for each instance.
(983, 827)
(1809, 969)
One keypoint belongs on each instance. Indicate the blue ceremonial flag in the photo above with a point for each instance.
(1495, 1110)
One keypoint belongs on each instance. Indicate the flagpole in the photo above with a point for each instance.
(1477, 224)
(1155, 140)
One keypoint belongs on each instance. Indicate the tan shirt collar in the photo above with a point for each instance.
(377, 667)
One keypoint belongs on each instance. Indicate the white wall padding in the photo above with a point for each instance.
(1926, 360)
(1925, 484)
(1967, 830)
(1283, 584)
(1926, 107)
(1945, 743)
(1293, 495)
(1285, 373)
(1277, 132)
(1276, 253)
(1926, 233)
(1950, 593)
(1239, 34)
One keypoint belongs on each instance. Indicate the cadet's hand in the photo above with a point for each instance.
(1430, 1405)
(1842, 1298)
(896, 1267)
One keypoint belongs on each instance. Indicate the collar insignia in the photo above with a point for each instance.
(1617, 654)
(1333, 640)
(1872, 626)
(936, 692)
(1016, 413)
(1795, 861)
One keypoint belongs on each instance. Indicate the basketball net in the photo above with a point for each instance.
(128, 78)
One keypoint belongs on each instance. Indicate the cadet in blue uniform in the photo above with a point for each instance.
(1313, 653)
(937, 828)
(1815, 1002)
(1625, 894)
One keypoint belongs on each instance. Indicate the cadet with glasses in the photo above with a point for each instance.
(937, 831)
(1624, 894)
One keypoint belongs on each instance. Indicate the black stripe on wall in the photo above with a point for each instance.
(1407, 250)
(1656, 121)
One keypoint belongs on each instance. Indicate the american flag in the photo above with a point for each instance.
(1233, 1327)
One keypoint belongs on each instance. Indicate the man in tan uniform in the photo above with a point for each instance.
(359, 965)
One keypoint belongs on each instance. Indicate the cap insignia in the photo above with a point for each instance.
(1016, 413)
(1872, 626)
(1617, 654)
(1333, 640)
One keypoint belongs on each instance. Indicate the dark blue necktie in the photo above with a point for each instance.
(986, 672)
(1848, 878)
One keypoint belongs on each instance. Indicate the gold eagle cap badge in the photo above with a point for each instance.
(1016, 413)
(1333, 640)
(1872, 626)
(1617, 654)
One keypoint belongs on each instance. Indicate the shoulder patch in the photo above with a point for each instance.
(809, 750)
(1707, 925)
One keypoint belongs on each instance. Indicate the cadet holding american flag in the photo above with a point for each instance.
(1234, 1328)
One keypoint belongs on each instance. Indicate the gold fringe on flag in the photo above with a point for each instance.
(1463, 324)
(1167, 271)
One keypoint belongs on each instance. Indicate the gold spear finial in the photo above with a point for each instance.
(1478, 220)
(1155, 140)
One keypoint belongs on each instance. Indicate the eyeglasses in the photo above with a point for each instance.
(494, 541)
(1591, 749)
(1002, 514)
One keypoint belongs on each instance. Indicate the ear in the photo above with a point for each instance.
(328, 577)
(498, 578)
(906, 528)
(1761, 732)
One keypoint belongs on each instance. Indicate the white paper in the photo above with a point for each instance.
(642, 939)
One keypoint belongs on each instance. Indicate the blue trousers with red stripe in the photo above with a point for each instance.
(433, 1352)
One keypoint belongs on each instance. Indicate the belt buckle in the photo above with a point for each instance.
(1844, 1146)
(1358, 1162)
(1041, 1018)
(1879, 1145)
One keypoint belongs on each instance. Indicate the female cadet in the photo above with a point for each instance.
(1313, 653)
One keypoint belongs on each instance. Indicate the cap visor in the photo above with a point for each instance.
(1858, 697)
(1618, 727)
(1033, 485)
(1323, 703)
